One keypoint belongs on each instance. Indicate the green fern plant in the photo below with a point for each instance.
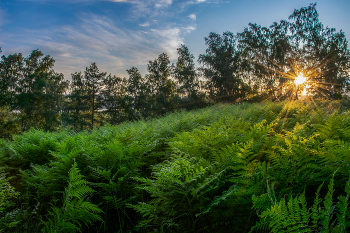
(293, 215)
(7, 194)
(75, 210)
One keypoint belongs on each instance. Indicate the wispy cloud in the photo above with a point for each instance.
(105, 39)
(119, 1)
(146, 24)
(163, 3)
(192, 16)
(171, 38)
(2, 17)
(97, 38)
(152, 8)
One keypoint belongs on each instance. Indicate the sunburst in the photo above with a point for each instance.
(306, 75)
(300, 79)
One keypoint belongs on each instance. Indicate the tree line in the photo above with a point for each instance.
(257, 64)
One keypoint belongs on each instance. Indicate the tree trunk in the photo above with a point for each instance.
(93, 107)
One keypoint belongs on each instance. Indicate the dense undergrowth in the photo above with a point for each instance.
(269, 167)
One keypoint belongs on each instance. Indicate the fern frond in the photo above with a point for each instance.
(315, 210)
(75, 209)
(328, 206)
(343, 207)
(262, 226)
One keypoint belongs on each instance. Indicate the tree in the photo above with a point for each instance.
(221, 64)
(137, 94)
(93, 79)
(30, 88)
(162, 87)
(11, 69)
(265, 52)
(187, 78)
(112, 99)
(50, 99)
(275, 56)
(327, 49)
(77, 104)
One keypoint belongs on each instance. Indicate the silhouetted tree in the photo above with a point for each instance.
(187, 79)
(326, 48)
(50, 99)
(138, 94)
(113, 98)
(93, 82)
(30, 88)
(274, 56)
(265, 52)
(162, 87)
(221, 64)
(11, 69)
(78, 103)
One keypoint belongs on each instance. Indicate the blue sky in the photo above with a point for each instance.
(119, 34)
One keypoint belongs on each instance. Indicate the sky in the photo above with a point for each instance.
(119, 34)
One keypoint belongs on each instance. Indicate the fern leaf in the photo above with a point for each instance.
(343, 207)
(75, 209)
(315, 211)
(328, 207)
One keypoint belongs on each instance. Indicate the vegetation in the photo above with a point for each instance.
(225, 168)
(102, 153)
(257, 64)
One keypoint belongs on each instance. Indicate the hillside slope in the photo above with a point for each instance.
(226, 168)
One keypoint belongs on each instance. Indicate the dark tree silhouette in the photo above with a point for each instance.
(93, 81)
(163, 88)
(221, 64)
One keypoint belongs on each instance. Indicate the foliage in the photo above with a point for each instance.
(75, 210)
(215, 169)
(294, 216)
(221, 67)
(7, 194)
(162, 88)
(8, 123)
(257, 64)
(223, 168)
(274, 56)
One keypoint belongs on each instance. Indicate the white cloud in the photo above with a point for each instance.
(200, 1)
(2, 17)
(171, 39)
(146, 24)
(82, 1)
(164, 3)
(119, 1)
(189, 29)
(151, 8)
(97, 39)
(192, 16)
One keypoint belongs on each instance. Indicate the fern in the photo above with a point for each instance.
(343, 208)
(75, 210)
(212, 170)
(315, 210)
(293, 215)
(7, 194)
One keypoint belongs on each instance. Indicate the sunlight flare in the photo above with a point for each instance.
(300, 79)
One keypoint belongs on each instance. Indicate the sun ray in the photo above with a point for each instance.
(307, 74)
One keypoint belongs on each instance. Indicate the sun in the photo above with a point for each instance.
(300, 79)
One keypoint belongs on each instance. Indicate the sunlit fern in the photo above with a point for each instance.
(75, 210)
(294, 216)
